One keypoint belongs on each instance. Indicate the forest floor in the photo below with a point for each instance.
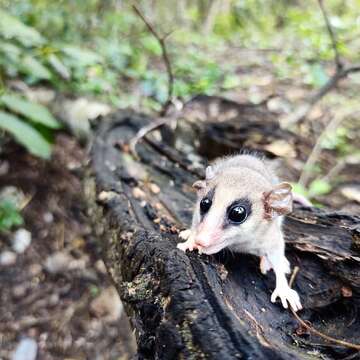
(57, 291)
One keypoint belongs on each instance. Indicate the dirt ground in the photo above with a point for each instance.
(57, 291)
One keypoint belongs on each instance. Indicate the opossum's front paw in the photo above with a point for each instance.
(286, 294)
(189, 244)
(185, 246)
(185, 234)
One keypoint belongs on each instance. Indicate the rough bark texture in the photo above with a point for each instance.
(192, 306)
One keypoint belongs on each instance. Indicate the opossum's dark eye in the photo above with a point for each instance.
(237, 214)
(205, 205)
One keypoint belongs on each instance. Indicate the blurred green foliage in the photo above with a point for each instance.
(102, 48)
(9, 215)
(29, 123)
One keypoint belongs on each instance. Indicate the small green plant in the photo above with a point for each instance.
(317, 187)
(29, 123)
(24, 53)
(9, 215)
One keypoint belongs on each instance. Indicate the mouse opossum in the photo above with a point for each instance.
(240, 206)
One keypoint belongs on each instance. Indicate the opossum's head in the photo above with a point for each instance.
(237, 206)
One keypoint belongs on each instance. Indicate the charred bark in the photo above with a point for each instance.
(218, 307)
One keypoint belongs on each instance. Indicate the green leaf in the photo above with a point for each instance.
(10, 50)
(299, 189)
(59, 67)
(12, 28)
(319, 187)
(152, 45)
(231, 81)
(9, 215)
(318, 76)
(35, 68)
(35, 112)
(82, 57)
(25, 134)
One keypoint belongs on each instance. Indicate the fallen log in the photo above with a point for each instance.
(195, 306)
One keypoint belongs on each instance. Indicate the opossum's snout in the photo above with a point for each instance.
(208, 235)
(210, 231)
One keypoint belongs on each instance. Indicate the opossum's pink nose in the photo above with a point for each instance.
(203, 240)
(206, 238)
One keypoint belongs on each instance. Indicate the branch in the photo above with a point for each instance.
(333, 81)
(165, 56)
(337, 60)
(303, 110)
(144, 131)
(316, 151)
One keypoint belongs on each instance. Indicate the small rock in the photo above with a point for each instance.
(21, 240)
(54, 299)
(154, 188)
(107, 305)
(278, 104)
(100, 267)
(7, 258)
(35, 269)
(26, 350)
(19, 291)
(62, 261)
(14, 195)
(281, 148)
(138, 193)
(78, 113)
(4, 167)
(351, 192)
(48, 217)
(106, 196)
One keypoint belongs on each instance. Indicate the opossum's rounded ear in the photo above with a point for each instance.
(278, 201)
(209, 173)
(199, 185)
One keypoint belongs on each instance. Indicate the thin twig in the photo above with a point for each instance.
(303, 110)
(332, 82)
(165, 56)
(340, 72)
(334, 171)
(293, 275)
(332, 36)
(313, 330)
(144, 131)
(163, 120)
(316, 150)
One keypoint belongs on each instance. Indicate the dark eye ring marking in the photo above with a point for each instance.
(238, 212)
